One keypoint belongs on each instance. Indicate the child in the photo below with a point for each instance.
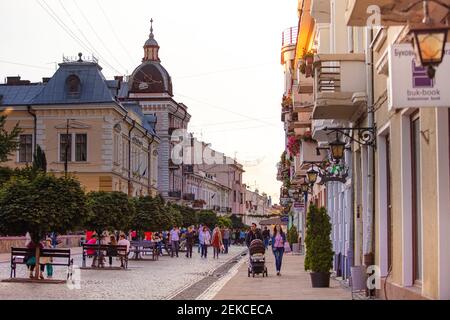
(46, 260)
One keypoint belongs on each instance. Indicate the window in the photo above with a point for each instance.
(73, 86)
(416, 199)
(234, 196)
(65, 147)
(80, 147)
(26, 148)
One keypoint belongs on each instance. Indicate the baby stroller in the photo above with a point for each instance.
(257, 262)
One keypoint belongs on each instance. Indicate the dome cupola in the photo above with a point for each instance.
(151, 47)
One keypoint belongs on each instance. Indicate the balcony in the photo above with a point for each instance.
(322, 136)
(340, 86)
(321, 11)
(289, 37)
(189, 168)
(173, 166)
(301, 122)
(175, 194)
(189, 197)
(357, 13)
(309, 153)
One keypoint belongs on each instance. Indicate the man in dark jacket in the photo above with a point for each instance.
(252, 235)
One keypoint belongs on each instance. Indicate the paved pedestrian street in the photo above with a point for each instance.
(160, 279)
(293, 284)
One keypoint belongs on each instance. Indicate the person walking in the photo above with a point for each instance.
(266, 237)
(175, 240)
(217, 242)
(252, 235)
(205, 241)
(242, 236)
(226, 239)
(199, 234)
(278, 241)
(190, 236)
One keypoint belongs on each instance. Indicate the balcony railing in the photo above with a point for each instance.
(340, 79)
(289, 36)
(189, 197)
(175, 194)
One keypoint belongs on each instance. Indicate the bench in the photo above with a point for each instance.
(144, 246)
(105, 250)
(18, 257)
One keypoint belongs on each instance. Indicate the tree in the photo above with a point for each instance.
(208, 218)
(189, 216)
(225, 222)
(39, 160)
(8, 140)
(237, 222)
(175, 215)
(145, 216)
(319, 249)
(109, 211)
(40, 206)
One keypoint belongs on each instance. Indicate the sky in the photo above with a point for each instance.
(223, 56)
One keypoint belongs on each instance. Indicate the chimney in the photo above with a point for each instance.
(15, 81)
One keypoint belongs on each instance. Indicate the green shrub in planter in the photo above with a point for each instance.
(319, 249)
(292, 236)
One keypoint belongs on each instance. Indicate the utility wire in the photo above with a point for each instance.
(81, 31)
(61, 23)
(227, 110)
(222, 71)
(96, 34)
(25, 65)
(111, 27)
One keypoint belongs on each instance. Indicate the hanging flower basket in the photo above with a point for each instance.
(293, 145)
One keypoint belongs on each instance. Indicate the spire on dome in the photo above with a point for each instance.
(151, 47)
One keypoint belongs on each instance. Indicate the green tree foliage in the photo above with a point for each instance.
(319, 249)
(292, 235)
(236, 222)
(146, 215)
(41, 206)
(174, 213)
(109, 211)
(225, 222)
(8, 140)
(208, 218)
(189, 216)
(39, 160)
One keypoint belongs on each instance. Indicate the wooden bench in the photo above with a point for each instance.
(144, 246)
(105, 250)
(18, 256)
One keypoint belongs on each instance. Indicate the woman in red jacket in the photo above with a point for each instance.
(217, 242)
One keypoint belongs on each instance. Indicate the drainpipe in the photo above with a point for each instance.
(129, 157)
(149, 171)
(369, 246)
(33, 114)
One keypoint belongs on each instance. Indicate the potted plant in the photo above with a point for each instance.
(308, 57)
(302, 67)
(292, 238)
(319, 252)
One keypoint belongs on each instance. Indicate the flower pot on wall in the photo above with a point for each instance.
(320, 279)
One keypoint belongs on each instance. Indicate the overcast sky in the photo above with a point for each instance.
(223, 56)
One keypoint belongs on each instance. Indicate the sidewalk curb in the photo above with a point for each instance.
(208, 273)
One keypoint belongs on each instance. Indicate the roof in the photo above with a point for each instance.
(19, 95)
(94, 87)
(150, 77)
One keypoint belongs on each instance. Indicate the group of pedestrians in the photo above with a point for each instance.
(45, 263)
(278, 241)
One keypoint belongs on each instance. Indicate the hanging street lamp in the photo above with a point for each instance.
(337, 149)
(429, 40)
(312, 175)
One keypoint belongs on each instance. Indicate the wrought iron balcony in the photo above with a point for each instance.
(175, 194)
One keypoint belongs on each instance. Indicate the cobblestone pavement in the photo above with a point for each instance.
(143, 280)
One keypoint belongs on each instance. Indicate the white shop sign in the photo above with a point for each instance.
(410, 86)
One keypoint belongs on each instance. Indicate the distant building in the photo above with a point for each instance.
(76, 119)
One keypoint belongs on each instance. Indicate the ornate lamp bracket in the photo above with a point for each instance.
(362, 136)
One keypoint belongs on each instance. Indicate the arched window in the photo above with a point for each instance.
(73, 86)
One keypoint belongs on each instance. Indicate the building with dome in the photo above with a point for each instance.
(150, 86)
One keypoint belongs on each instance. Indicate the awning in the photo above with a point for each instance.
(272, 221)
(393, 12)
